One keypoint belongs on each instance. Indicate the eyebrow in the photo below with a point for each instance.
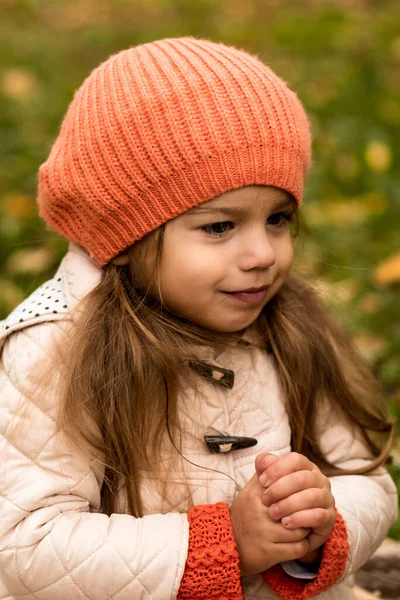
(235, 210)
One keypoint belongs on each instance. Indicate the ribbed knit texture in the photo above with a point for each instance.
(160, 128)
(212, 565)
(332, 567)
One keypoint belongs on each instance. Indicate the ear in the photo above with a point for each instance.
(120, 260)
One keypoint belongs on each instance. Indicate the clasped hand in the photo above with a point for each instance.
(285, 512)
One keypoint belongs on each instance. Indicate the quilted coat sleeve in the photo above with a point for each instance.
(367, 503)
(53, 541)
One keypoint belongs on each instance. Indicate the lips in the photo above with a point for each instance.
(251, 290)
(252, 296)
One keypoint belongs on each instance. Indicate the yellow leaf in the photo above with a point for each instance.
(324, 289)
(346, 290)
(241, 10)
(30, 261)
(18, 205)
(371, 346)
(337, 212)
(370, 303)
(10, 294)
(388, 271)
(19, 84)
(378, 156)
(341, 212)
(338, 292)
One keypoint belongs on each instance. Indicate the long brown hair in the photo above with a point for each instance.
(125, 371)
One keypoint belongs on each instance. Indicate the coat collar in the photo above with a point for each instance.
(54, 300)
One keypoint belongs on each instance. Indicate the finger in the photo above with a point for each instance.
(291, 551)
(279, 534)
(290, 463)
(293, 483)
(315, 541)
(320, 520)
(304, 500)
(263, 461)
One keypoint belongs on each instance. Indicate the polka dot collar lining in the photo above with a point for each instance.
(47, 303)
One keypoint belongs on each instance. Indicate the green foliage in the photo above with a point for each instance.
(342, 59)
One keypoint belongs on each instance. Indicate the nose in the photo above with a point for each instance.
(257, 252)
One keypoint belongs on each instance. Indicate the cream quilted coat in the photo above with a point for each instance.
(55, 545)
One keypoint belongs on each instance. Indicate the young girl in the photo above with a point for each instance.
(180, 417)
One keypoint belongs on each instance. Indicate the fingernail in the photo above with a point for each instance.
(263, 480)
(266, 499)
(274, 511)
(285, 521)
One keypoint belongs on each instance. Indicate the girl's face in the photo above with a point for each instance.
(224, 260)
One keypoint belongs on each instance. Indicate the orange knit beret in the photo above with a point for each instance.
(159, 128)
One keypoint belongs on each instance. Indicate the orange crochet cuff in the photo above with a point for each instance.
(212, 565)
(333, 564)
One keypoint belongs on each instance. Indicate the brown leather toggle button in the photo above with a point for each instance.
(227, 443)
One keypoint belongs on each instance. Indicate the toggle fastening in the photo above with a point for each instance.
(226, 443)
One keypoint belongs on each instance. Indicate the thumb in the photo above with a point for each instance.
(263, 461)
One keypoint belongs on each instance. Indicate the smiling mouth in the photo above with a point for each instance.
(252, 296)
(252, 290)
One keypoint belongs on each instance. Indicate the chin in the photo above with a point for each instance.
(233, 327)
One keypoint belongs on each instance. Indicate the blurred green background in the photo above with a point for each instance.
(341, 57)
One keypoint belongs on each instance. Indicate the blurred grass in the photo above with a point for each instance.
(342, 57)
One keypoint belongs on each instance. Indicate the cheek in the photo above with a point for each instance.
(190, 263)
(285, 254)
(182, 266)
(180, 280)
(186, 285)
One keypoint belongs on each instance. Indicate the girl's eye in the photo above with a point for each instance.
(218, 229)
(279, 219)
